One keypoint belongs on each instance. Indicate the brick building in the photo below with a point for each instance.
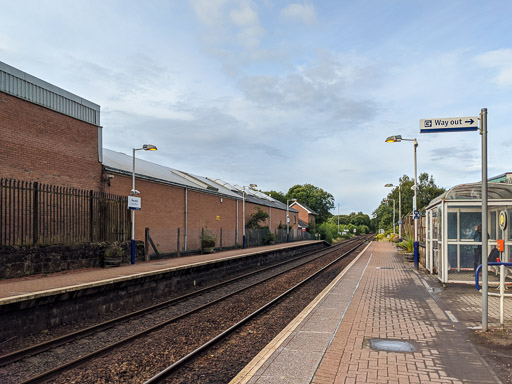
(307, 217)
(48, 135)
(54, 137)
(174, 199)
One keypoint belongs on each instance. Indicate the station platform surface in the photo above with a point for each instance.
(12, 290)
(380, 321)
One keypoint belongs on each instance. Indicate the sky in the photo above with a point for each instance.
(279, 93)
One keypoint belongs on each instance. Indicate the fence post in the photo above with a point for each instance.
(146, 244)
(221, 239)
(178, 244)
(35, 214)
(91, 215)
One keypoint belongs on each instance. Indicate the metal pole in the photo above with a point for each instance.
(132, 258)
(287, 223)
(483, 132)
(394, 226)
(399, 212)
(243, 218)
(416, 244)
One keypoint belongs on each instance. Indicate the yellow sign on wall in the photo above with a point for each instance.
(218, 218)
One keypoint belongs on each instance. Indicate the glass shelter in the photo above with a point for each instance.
(452, 248)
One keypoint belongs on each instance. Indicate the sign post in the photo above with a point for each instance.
(464, 124)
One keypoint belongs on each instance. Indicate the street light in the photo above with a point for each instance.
(288, 220)
(134, 192)
(244, 244)
(399, 210)
(397, 139)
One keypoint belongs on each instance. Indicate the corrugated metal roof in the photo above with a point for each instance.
(27, 87)
(121, 163)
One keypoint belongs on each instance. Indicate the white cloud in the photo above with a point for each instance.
(500, 59)
(300, 12)
(209, 12)
(246, 18)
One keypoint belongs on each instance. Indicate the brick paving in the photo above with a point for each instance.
(394, 304)
(381, 298)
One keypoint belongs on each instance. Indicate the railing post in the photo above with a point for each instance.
(91, 215)
(178, 244)
(221, 239)
(146, 244)
(35, 214)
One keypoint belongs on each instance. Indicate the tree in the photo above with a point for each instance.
(427, 191)
(315, 198)
(256, 218)
(279, 196)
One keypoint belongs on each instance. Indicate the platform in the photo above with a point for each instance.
(40, 303)
(33, 286)
(380, 321)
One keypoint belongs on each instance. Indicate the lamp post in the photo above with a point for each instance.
(288, 220)
(134, 192)
(244, 243)
(397, 139)
(399, 211)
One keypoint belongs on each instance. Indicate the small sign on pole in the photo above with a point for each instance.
(449, 124)
(134, 202)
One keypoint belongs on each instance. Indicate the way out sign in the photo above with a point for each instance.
(449, 124)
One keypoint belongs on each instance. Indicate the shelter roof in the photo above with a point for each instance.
(473, 191)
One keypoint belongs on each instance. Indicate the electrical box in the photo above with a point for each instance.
(501, 245)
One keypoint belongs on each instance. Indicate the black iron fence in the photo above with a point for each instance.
(162, 242)
(34, 213)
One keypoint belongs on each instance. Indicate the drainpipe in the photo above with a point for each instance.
(236, 229)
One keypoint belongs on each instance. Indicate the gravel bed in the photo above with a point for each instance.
(142, 359)
(37, 364)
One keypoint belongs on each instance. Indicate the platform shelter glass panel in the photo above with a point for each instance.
(457, 251)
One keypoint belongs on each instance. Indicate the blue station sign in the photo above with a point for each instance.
(449, 124)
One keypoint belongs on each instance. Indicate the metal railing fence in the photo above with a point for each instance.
(33, 213)
(177, 241)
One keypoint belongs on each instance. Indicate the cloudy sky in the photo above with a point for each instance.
(281, 92)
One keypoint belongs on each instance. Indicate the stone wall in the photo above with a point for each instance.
(23, 261)
(67, 306)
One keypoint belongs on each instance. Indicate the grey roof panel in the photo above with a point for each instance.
(27, 87)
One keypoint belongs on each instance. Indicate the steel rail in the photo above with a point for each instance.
(43, 377)
(45, 346)
(163, 374)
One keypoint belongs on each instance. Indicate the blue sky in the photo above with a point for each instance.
(279, 93)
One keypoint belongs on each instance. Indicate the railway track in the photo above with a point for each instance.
(134, 326)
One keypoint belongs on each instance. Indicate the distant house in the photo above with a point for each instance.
(307, 217)
(503, 178)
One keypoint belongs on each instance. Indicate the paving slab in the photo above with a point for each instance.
(380, 321)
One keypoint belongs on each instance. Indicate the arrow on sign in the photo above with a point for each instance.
(470, 121)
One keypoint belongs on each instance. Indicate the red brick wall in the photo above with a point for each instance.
(39, 144)
(303, 214)
(163, 211)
